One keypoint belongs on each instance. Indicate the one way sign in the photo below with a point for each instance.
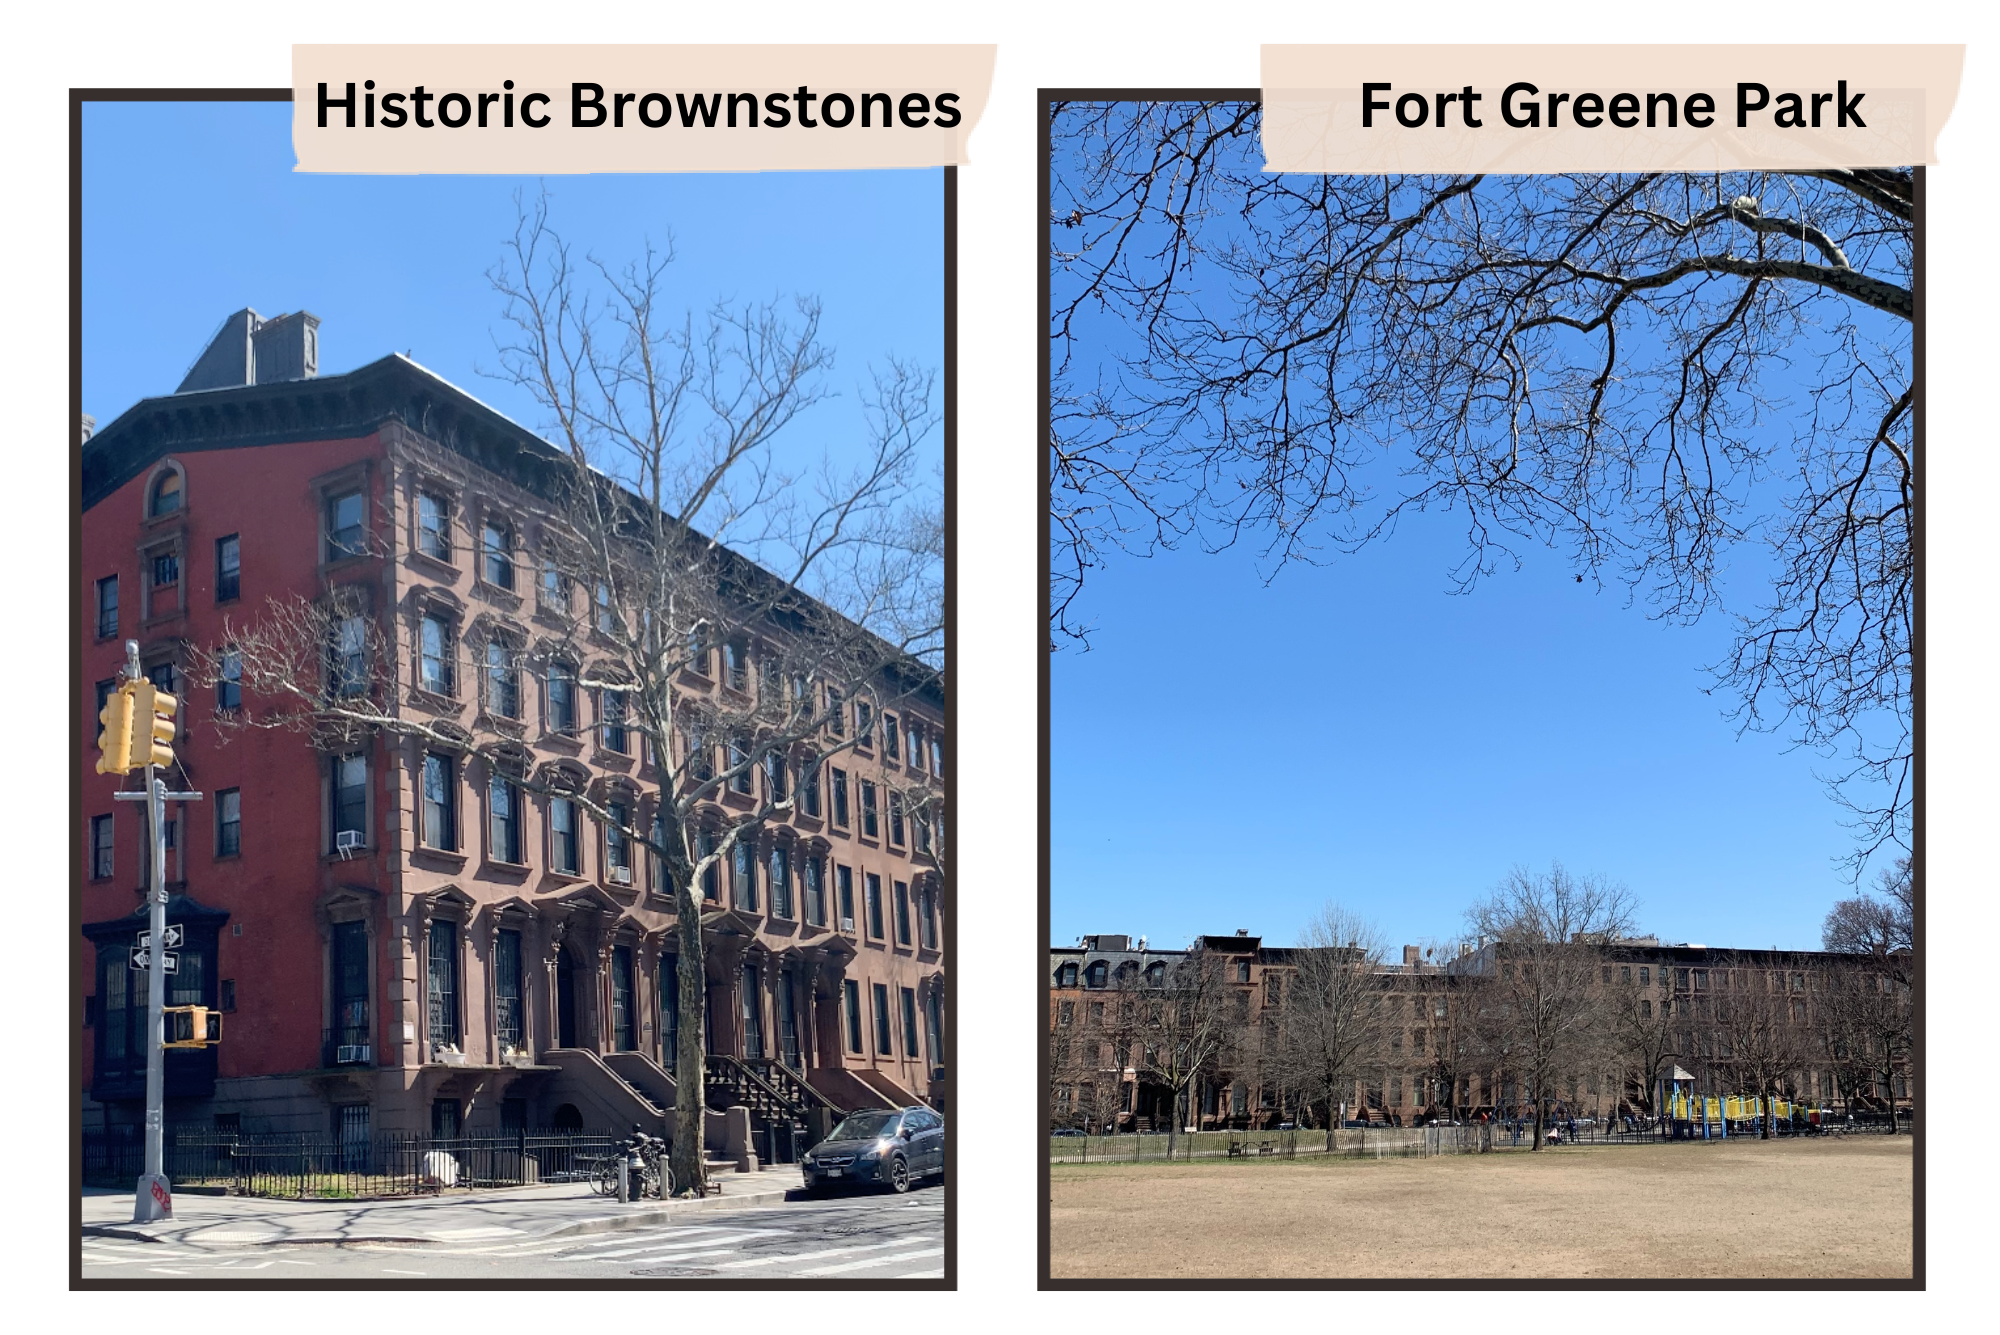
(142, 958)
(173, 936)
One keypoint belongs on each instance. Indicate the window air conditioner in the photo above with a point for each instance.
(847, 924)
(351, 1054)
(621, 875)
(346, 842)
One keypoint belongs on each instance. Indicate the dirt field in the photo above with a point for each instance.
(1745, 1209)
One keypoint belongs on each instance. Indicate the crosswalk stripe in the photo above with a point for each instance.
(703, 1242)
(813, 1256)
(869, 1264)
(923, 1274)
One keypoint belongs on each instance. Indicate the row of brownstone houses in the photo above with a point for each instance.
(1670, 1010)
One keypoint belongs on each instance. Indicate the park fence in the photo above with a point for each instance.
(1352, 1143)
(302, 1167)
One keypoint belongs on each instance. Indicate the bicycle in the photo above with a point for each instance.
(655, 1174)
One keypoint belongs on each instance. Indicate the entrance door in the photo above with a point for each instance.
(565, 1001)
(788, 1022)
(753, 1014)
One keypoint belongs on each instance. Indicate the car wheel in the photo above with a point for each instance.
(899, 1175)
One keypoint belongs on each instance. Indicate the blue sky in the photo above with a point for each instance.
(192, 211)
(1234, 755)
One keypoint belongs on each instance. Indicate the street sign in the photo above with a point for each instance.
(142, 958)
(172, 938)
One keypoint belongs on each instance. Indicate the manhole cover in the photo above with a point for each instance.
(673, 1272)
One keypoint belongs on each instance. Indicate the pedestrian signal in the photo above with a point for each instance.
(191, 1026)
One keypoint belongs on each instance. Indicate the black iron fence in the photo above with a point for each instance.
(332, 1167)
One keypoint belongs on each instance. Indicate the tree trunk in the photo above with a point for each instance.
(690, 1060)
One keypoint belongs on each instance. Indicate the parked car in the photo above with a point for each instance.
(887, 1147)
(1068, 1131)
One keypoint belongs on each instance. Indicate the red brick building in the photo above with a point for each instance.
(516, 968)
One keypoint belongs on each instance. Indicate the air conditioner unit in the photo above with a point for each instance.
(847, 924)
(346, 842)
(622, 875)
(351, 1054)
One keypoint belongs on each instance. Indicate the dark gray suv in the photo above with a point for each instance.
(888, 1147)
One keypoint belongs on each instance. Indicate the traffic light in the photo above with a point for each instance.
(153, 713)
(114, 742)
(191, 1026)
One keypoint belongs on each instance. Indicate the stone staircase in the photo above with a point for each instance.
(775, 1095)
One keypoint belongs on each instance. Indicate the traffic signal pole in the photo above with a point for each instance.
(154, 1198)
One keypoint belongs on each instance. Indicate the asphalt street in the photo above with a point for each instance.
(860, 1237)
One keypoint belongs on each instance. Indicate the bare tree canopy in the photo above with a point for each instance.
(1645, 371)
(1880, 926)
(1334, 1013)
(1546, 1015)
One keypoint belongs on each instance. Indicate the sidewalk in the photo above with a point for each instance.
(512, 1215)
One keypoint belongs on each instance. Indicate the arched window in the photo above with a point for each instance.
(1066, 977)
(167, 493)
(1128, 971)
(1095, 974)
(1156, 974)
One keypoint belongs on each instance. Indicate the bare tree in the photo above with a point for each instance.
(1642, 1033)
(1645, 370)
(1182, 1024)
(740, 624)
(1335, 1013)
(1765, 1043)
(1881, 926)
(1550, 1015)
(1865, 1019)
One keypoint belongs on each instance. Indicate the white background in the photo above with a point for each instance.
(995, 977)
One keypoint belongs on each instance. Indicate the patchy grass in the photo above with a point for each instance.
(1804, 1209)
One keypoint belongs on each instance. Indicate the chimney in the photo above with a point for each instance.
(251, 350)
(1243, 931)
(1411, 957)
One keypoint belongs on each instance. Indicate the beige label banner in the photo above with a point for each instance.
(1385, 109)
(570, 109)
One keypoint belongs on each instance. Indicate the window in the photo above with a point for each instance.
(508, 1014)
(229, 822)
(167, 493)
(850, 995)
(892, 746)
(228, 569)
(166, 569)
(836, 712)
(927, 932)
(934, 1017)
(350, 801)
(229, 681)
(705, 844)
(1273, 989)
(909, 1022)
(345, 536)
(922, 825)
(562, 835)
(1624, 973)
(607, 620)
(611, 710)
(624, 1019)
(697, 650)
(902, 914)
(1239, 1100)
(1243, 971)
(350, 993)
(774, 776)
(937, 755)
(1645, 976)
(915, 732)
(1645, 1010)
(656, 863)
(844, 883)
(434, 526)
(504, 818)
(864, 724)
(562, 697)
(440, 802)
(736, 665)
(779, 871)
(434, 656)
(874, 905)
(1701, 980)
(503, 681)
(443, 990)
(496, 553)
(107, 607)
(103, 840)
(840, 798)
(1096, 973)
(743, 875)
(700, 755)
(811, 872)
(881, 991)
(348, 673)
(809, 788)
(870, 826)
(753, 1012)
(895, 818)
(617, 847)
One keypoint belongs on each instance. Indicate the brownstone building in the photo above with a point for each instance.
(411, 934)
(1680, 1006)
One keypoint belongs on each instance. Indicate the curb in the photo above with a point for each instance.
(657, 1214)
